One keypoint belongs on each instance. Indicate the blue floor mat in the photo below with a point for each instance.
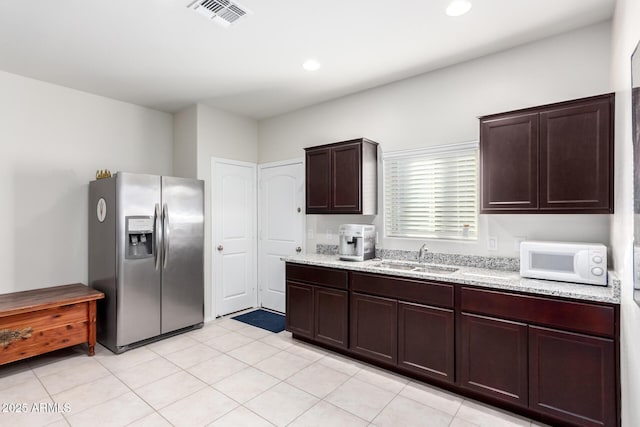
(263, 319)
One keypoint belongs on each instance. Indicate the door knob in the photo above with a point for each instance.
(298, 249)
(220, 247)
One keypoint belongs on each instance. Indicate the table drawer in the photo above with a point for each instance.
(576, 316)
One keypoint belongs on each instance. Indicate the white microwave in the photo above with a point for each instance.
(566, 262)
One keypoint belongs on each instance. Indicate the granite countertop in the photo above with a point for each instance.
(498, 279)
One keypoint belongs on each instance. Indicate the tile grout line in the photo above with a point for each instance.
(168, 404)
(114, 374)
(50, 396)
(243, 404)
(388, 403)
(323, 398)
(131, 390)
(383, 389)
(253, 412)
(457, 411)
(352, 376)
(280, 381)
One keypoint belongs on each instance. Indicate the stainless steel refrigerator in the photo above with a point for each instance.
(146, 253)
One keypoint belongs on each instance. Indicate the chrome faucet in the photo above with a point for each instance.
(423, 251)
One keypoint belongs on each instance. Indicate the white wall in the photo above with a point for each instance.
(185, 142)
(626, 34)
(442, 107)
(52, 141)
(228, 136)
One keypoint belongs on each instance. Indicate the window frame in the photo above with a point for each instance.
(433, 151)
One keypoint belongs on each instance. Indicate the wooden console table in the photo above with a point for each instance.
(42, 320)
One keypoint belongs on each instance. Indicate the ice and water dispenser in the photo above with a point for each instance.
(139, 231)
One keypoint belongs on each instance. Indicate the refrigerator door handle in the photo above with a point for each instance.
(158, 239)
(165, 223)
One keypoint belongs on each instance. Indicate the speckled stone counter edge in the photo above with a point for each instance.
(477, 261)
(473, 276)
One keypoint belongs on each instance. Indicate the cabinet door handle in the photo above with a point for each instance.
(220, 247)
(298, 249)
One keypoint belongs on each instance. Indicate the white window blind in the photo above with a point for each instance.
(432, 193)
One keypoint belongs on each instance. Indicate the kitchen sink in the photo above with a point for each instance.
(417, 267)
(395, 265)
(436, 269)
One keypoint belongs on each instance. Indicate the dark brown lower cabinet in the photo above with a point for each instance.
(553, 357)
(374, 322)
(331, 309)
(494, 358)
(299, 319)
(425, 340)
(572, 376)
(318, 313)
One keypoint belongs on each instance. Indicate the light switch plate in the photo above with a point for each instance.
(310, 234)
(492, 243)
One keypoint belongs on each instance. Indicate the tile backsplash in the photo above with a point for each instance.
(478, 261)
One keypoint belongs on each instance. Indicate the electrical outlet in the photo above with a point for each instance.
(329, 235)
(492, 243)
(310, 234)
(518, 240)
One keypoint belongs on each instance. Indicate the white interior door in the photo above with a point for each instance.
(281, 224)
(233, 208)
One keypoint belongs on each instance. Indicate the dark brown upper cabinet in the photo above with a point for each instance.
(554, 158)
(341, 178)
(509, 156)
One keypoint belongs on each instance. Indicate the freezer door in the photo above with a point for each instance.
(138, 289)
(183, 253)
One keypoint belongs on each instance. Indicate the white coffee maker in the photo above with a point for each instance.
(357, 242)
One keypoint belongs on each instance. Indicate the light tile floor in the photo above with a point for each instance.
(226, 374)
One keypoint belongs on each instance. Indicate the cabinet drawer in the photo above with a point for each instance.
(438, 294)
(575, 316)
(318, 275)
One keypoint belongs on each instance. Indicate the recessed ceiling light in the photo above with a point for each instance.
(458, 7)
(311, 65)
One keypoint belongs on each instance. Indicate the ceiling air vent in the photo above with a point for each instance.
(224, 12)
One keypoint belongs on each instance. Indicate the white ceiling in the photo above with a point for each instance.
(160, 54)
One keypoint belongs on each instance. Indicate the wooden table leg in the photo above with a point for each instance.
(92, 327)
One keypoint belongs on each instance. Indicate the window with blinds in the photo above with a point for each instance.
(432, 193)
